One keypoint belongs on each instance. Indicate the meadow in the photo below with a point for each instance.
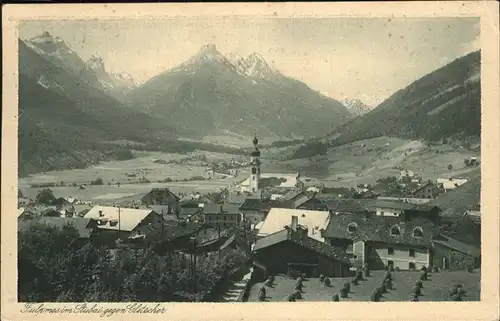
(434, 289)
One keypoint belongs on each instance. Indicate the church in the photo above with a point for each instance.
(253, 184)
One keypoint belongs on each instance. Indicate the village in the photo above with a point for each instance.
(288, 239)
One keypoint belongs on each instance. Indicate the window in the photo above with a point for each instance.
(418, 232)
(395, 230)
(224, 217)
(412, 253)
(352, 227)
(390, 251)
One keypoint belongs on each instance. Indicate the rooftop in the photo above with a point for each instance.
(378, 229)
(278, 218)
(457, 245)
(225, 208)
(303, 240)
(127, 218)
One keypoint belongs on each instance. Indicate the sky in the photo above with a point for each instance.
(356, 58)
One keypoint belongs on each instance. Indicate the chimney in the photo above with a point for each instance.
(100, 213)
(295, 223)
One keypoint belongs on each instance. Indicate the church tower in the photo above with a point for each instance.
(254, 185)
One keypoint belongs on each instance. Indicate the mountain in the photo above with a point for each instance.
(91, 72)
(356, 106)
(61, 115)
(445, 103)
(116, 84)
(210, 94)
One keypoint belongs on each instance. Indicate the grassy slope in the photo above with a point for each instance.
(444, 103)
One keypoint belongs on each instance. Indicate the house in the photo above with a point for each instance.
(448, 184)
(277, 218)
(426, 191)
(406, 174)
(380, 241)
(179, 236)
(312, 203)
(452, 254)
(116, 222)
(222, 215)
(350, 206)
(411, 200)
(189, 213)
(255, 210)
(400, 209)
(85, 227)
(162, 196)
(292, 249)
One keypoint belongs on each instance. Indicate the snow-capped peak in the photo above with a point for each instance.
(256, 66)
(356, 106)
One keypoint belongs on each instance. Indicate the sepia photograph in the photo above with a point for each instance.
(249, 159)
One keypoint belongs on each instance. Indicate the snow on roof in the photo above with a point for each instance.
(129, 217)
(278, 218)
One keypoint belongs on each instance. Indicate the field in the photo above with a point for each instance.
(128, 173)
(345, 166)
(435, 289)
(364, 161)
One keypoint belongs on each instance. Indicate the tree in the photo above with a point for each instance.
(45, 196)
(450, 167)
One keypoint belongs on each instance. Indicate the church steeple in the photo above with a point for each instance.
(255, 165)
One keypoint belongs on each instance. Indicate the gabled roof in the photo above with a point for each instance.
(380, 203)
(160, 191)
(303, 240)
(238, 199)
(278, 218)
(80, 224)
(258, 204)
(292, 194)
(377, 229)
(225, 208)
(457, 245)
(350, 206)
(189, 211)
(128, 218)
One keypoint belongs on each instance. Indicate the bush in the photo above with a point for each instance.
(335, 298)
(435, 269)
(344, 293)
(376, 295)
(417, 291)
(98, 181)
(262, 294)
(327, 282)
(355, 281)
(45, 196)
(388, 284)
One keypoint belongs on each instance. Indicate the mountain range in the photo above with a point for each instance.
(210, 94)
(445, 103)
(70, 108)
(92, 72)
